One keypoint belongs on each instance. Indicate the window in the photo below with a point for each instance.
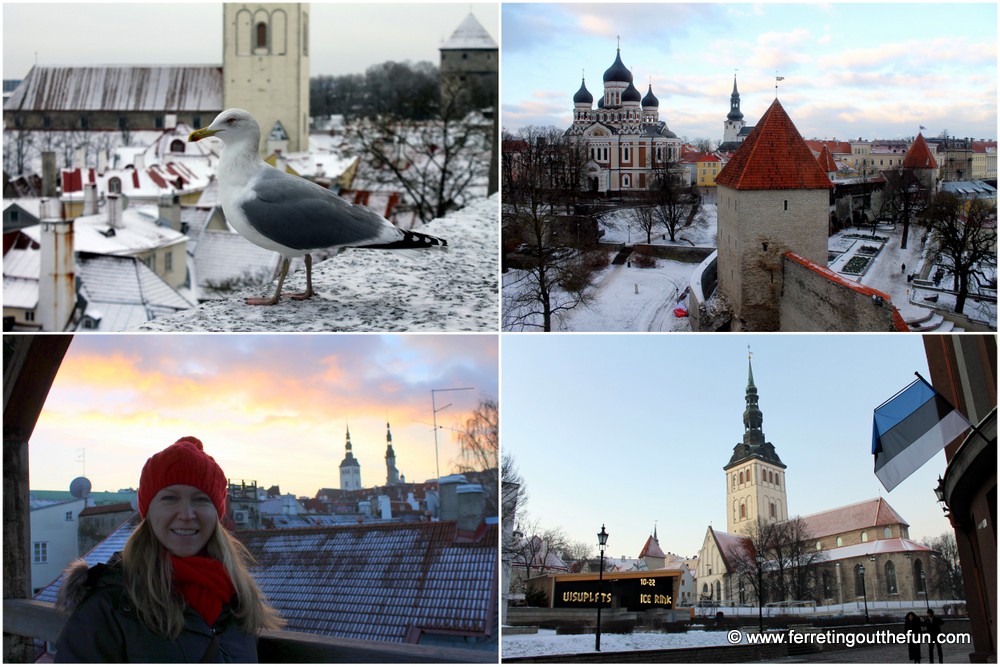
(741, 477)
(772, 511)
(840, 541)
(777, 480)
(919, 578)
(168, 260)
(40, 552)
(743, 511)
(69, 516)
(859, 582)
(261, 42)
(115, 185)
(786, 204)
(864, 535)
(827, 587)
(890, 578)
(819, 546)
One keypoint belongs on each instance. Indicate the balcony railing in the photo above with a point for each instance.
(40, 620)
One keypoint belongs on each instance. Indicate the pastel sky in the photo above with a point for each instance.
(346, 38)
(633, 431)
(850, 69)
(270, 408)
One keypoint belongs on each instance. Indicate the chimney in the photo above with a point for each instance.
(49, 174)
(80, 158)
(384, 507)
(56, 276)
(115, 208)
(102, 161)
(449, 496)
(89, 199)
(170, 210)
(471, 506)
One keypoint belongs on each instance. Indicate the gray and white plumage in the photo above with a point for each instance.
(288, 214)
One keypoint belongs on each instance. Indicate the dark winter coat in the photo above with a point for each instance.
(915, 628)
(105, 627)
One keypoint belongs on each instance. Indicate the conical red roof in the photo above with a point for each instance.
(919, 156)
(826, 161)
(774, 157)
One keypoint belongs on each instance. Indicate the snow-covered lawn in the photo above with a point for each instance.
(547, 642)
(628, 298)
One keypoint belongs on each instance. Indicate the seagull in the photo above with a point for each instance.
(289, 214)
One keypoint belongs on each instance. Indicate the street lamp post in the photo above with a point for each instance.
(436, 410)
(864, 590)
(602, 540)
(760, 591)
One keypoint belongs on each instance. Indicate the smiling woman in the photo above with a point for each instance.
(180, 591)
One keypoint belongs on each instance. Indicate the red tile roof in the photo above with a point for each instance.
(826, 161)
(919, 156)
(774, 157)
(652, 549)
(816, 145)
(732, 547)
(849, 518)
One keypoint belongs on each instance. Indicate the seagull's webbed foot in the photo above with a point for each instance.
(265, 301)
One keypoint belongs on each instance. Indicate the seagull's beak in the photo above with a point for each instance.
(201, 134)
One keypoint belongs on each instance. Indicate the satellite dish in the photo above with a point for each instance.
(80, 487)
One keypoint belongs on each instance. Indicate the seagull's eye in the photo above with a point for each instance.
(230, 121)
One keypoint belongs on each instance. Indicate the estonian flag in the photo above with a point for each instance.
(909, 429)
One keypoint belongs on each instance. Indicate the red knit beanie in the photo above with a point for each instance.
(184, 462)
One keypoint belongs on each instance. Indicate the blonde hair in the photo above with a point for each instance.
(149, 575)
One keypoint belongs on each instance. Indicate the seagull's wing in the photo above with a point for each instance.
(302, 215)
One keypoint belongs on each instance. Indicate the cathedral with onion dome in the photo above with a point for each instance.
(625, 140)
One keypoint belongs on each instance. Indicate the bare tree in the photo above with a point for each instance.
(964, 234)
(434, 162)
(949, 568)
(479, 449)
(645, 216)
(905, 197)
(676, 202)
(789, 565)
(549, 279)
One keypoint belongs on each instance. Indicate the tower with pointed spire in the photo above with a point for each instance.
(734, 120)
(755, 475)
(350, 468)
(391, 472)
(470, 69)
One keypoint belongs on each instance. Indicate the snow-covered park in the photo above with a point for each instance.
(630, 298)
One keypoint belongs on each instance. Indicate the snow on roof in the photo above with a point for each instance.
(168, 88)
(892, 545)
(773, 157)
(139, 233)
(469, 35)
(377, 581)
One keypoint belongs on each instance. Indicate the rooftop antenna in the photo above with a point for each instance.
(82, 458)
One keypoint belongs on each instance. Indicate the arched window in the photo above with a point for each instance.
(887, 533)
(890, 578)
(177, 146)
(859, 581)
(827, 586)
(734, 481)
(261, 39)
(777, 480)
(819, 546)
(115, 185)
(718, 590)
(772, 511)
(840, 541)
(705, 593)
(743, 511)
(741, 477)
(864, 535)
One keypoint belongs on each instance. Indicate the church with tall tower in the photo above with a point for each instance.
(266, 69)
(391, 472)
(734, 129)
(861, 551)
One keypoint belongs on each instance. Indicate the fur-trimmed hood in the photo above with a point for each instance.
(80, 580)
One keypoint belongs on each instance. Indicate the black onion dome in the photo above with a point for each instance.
(631, 94)
(583, 95)
(618, 71)
(650, 99)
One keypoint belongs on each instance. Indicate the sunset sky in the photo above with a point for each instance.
(872, 70)
(270, 408)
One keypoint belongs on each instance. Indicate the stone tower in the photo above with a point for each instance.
(755, 476)
(391, 472)
(734, 120)
(773, 198)
(350, 468)
(265, 68)
(470, 69)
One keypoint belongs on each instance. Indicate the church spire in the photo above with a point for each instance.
(753, 418)
(734, 103)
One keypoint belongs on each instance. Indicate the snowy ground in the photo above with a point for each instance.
(372, 290)
(547, 642)
(629, 298)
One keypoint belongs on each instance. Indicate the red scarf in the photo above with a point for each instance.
(204, 584)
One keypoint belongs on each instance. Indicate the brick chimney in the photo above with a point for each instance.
(56, 276)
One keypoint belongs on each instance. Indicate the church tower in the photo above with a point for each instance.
(734, 120)
(265, 68)
(755, 476)
(391, 472)
(350, 468)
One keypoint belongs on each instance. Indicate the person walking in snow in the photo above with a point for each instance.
(932, 625)
(181, 590)
(913, 629)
